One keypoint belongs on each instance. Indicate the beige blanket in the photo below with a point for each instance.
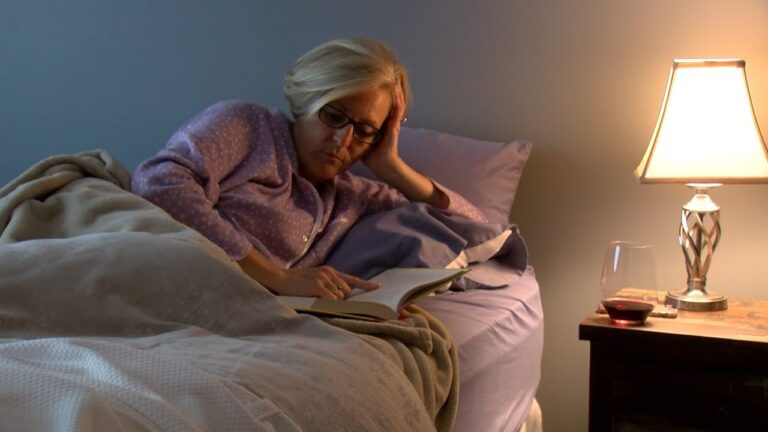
(423, 347)
(92, 272)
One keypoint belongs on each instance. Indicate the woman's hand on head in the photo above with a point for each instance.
(385, 162)
(324, 282)
(384, 155)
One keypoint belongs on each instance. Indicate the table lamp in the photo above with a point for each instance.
(706, 135)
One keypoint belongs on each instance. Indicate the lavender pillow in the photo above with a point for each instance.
(484, 172)
(418, 235)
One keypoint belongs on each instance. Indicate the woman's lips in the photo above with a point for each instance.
(333, 157)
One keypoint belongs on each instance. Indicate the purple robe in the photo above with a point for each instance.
(231, 173)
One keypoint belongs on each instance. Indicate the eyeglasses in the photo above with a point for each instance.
(338, 119)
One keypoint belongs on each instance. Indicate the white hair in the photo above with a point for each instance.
(340, 68)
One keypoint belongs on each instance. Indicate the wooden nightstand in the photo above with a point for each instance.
(701, 371)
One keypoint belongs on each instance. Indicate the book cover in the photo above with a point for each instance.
(399, 287)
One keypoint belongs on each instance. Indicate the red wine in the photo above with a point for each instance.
(627, 312)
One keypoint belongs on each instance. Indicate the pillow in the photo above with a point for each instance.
(484, 172)
(418, 235)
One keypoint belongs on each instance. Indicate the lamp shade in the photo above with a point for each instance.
(707, 131)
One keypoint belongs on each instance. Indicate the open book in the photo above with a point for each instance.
(399, 287)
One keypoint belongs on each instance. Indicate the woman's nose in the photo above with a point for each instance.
(344, 136)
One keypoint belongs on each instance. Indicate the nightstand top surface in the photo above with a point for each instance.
(744, 320)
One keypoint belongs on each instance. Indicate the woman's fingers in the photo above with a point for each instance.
(331, 283)
(341, 284)
(325, 282)
(398, 107)
(336, 292)
(359, 283)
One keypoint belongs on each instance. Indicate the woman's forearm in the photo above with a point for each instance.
(414, 185)
(260, 268)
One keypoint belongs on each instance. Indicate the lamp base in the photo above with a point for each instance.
(698, 237)
(697, 300)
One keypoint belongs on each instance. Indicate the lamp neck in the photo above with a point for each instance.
(701, 202)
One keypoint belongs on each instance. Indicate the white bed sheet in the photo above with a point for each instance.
(500, 336)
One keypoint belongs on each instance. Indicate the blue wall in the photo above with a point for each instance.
(123, 76)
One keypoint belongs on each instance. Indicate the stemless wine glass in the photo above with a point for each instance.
(628, 284)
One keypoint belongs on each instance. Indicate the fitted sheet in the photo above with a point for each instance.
(499, 334)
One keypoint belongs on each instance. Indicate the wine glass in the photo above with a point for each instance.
(628, 284)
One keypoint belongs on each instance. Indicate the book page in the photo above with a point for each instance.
(399, 286)
(397, 283)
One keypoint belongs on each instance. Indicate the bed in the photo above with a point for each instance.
(113, 316)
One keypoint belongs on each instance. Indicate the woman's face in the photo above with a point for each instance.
(324, 151)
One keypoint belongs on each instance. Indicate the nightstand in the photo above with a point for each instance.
(701, 371)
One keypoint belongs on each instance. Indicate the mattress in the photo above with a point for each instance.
(499, 334)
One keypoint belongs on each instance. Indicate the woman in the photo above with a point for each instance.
(275, 194)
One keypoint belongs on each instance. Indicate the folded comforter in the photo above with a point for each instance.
(115, 317)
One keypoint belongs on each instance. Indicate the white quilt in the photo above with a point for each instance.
(115, 317)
